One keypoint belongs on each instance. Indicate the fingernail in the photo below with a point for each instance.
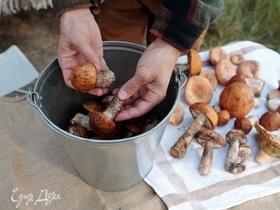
(122, 94)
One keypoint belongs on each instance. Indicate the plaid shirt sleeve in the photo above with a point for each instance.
(61, 6)
(180, 22)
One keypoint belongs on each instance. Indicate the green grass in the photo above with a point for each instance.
(254, 20)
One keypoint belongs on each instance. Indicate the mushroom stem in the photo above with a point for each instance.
(235, 137)
(244, 154)
(114, 107)
(274, 93)
(232, 153)
(102, 123)
(206, 159)
(82, 120)
(104, 78)
(262, 157)
(178, 150)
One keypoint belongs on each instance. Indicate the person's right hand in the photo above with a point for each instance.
(80, 41)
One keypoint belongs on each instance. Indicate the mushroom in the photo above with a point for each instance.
(256, 84)
(204, 115)
(274, 93)
(236, 78)
(209, 139)
(84, 77)
(194, 65)
(235, 138)
(245, 123)
(211, 77)
(77, 130)
(237, 98)
(269, 145)
(270, 120)
(273, 104)
(177, 115)
(243, 159)
(82, 120)
(224, 71)
(91, 106)
(216, 54)
(223, 117)
(102, 123)
(249, 69)
(236, 59)
(198, 89)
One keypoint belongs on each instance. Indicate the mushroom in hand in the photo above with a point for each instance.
(204, 115)
(102, 123)
(269, 145)
(84, 77)
(194, 65)
(210, 139)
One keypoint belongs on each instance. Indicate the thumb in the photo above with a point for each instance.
(129, 88)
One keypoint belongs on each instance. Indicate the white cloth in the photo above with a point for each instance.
(177, 182)
(16, 70)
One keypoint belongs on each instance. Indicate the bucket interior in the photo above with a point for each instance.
(59, 102)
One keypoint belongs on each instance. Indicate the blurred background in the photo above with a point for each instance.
(36, 32)
(254, 20)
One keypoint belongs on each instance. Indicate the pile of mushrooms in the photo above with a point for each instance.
(241, 87)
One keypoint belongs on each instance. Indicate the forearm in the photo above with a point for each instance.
(180, 22)
(61, 6)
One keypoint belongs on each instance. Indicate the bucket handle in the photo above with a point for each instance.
(34, 98)
(180, 78)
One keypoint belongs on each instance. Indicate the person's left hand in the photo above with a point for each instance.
(149, 84)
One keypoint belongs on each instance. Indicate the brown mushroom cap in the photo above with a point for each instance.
(195, 63)
(208, 111)
(243, 123)
(236, 78)
(93, 106)
(216, 54)
(210, 135)
(198, 89)
(270, 120)
(83, 77)
(223, 117)
(236, 59)
(210, 75)
(269, 143)
(237, 98)
(101, 124)
(249, 69)
(236, 133)
(224, 71)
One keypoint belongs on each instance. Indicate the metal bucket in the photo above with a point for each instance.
(108, 165)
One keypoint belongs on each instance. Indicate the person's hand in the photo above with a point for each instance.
(80, 41)
(149, 84)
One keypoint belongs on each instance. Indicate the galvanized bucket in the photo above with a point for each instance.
(108, 165)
